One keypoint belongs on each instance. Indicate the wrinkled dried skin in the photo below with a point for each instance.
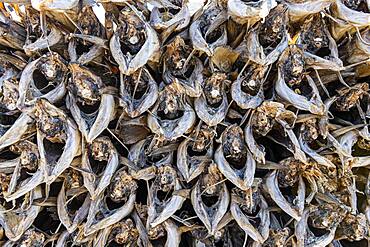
(353, 227)
(247, 89)
(180, 64)
(16, 221)
(357, 50)
(210, 199)
(29, 154)
(348, 97)
(12, 34)
(266, 41)
(141, 153)
(51, 123)
(122, 187)
(89, 23)
(248, 201)
(289, 84)
(86, 88)
(125, 233)
(163, 202)
(349, 14)
(10, 135)
(168, 19)
(37, 39)
(100, 216)
(100, 150)
(298, 9)
(277, 238)
(31, 238)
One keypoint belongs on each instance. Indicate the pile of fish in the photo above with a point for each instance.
(185, 123)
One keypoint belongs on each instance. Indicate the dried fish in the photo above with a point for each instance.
(290, 75)
(122, 191)
(138, 92)
(193, 156)
(349, 17)
(208, 30)
(162, 200)
(45, 77)
(87, 88)
(249, 11)
(264, 43)
(181, 66)
(210, 211)
(234, 160)
(96, 155)
(134, 42)
(184, 123)
(247, 89)
(172, 115)
(211, 106)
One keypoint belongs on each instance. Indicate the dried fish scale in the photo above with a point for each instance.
(184, 123)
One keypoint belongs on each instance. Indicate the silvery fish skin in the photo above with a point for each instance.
(208, 106)
(178, 59)
(191, 166)
(313, 105)
(299, 10)
(242, 177)
(322, 40)
(253, 81)
(267, 51)
(11, 33)
(168, 22)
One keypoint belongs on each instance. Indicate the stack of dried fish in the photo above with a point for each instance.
(185, 123)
